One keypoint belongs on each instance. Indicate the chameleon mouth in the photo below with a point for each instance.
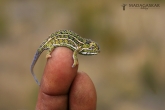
(93, 53)
(88, 53)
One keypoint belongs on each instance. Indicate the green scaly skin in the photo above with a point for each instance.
(69, 39)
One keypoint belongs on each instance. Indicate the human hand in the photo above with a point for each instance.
(62, 87)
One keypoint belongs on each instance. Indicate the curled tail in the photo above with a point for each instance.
(36, 56)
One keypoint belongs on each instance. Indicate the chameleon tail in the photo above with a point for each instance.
(38, 53)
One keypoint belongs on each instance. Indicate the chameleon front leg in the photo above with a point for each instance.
(49, 52)
(75, 58)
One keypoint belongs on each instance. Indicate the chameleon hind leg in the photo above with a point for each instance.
(49, 52)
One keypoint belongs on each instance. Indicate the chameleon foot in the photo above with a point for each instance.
(74, 64)
(48, 56)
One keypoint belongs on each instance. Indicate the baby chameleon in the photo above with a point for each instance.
(69, 39)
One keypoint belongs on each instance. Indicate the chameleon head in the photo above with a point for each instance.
(90, 48)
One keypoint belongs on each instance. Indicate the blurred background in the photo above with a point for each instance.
(129, 73)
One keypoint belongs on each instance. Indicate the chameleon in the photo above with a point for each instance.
(69, 39)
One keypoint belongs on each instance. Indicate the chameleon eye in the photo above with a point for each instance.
(92, 46)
